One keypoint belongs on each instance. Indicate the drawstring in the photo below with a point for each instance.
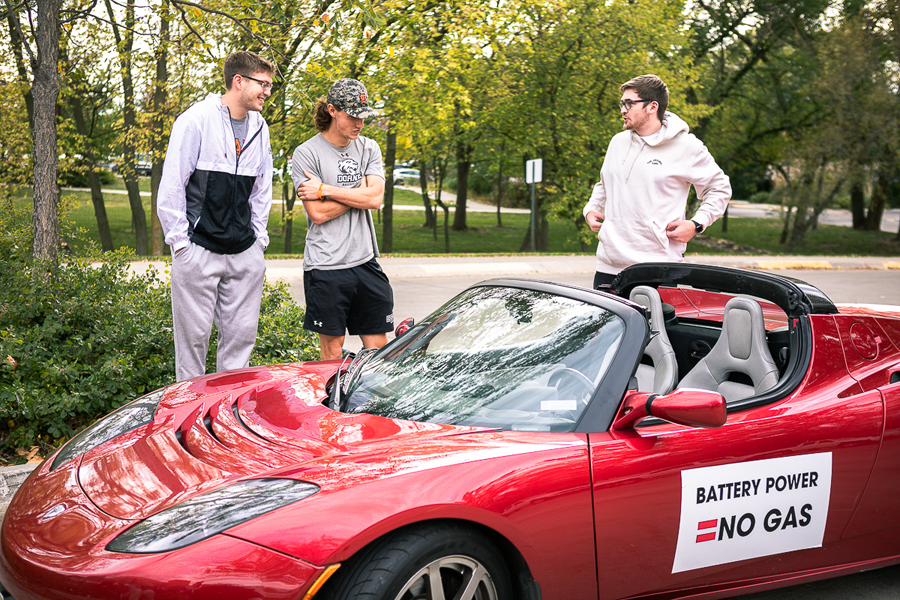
(640, 148)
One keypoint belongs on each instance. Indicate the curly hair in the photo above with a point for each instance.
(321, 116)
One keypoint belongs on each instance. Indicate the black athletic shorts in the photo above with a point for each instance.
(358, 300)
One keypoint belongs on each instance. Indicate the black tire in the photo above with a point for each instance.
(401, 567)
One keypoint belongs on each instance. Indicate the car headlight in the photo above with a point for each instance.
(208, 514)
(131, 416)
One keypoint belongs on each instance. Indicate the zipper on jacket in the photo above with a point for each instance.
(237, 162)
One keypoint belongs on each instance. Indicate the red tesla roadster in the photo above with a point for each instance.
(691, 431)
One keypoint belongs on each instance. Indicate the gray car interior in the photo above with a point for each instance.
(658, 371)
(740, 364)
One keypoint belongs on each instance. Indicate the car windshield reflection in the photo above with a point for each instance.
(493, 357)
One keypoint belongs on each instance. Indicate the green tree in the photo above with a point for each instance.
(563, 65)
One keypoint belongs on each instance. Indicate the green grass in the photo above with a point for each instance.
(757, 235)
(745, 235)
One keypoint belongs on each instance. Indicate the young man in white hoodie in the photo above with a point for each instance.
(213, 204)
(638, 206)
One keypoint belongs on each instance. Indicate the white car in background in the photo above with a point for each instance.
(404, 176)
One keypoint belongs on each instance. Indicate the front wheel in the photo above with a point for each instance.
(435, 562)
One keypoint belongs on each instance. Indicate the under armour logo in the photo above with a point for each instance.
(318, 323)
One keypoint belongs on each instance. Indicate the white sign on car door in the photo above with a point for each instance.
(751, 509)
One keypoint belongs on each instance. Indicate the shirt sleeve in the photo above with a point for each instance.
(597, 201)
(374, 165)
(301, 160)
(181, 161)
(713, 188)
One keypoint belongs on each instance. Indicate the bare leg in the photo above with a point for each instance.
(374, 340)
(330, 346)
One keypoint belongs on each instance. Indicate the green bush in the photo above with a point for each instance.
(95, 336)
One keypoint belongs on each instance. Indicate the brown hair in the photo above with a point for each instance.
(321, 116)
(649, 87)
(245, 63)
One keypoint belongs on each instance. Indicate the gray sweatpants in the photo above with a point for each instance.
(221, 288)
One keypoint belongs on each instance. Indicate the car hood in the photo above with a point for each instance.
(267, 421)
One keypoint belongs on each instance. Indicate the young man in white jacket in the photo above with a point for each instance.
(213, 204)
(638, 206)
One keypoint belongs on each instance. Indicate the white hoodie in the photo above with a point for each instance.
(644, 185)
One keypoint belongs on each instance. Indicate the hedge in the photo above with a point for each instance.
(96, 335)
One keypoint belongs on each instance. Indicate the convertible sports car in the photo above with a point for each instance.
(692, 431)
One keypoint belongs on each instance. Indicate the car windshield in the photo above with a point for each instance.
(493, 357)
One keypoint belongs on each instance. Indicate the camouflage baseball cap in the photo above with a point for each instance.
(350, 96)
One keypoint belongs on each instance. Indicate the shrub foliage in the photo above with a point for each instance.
(94, 336)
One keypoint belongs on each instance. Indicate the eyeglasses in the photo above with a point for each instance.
(627, 104)
(266, 85)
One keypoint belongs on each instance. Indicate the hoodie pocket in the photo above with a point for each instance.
(624, 242)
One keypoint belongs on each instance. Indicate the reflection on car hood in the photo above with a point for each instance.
(253, 422)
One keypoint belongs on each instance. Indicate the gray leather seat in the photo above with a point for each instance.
(660, 377)
(740, 364)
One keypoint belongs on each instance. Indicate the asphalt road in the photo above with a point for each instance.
(422, 285)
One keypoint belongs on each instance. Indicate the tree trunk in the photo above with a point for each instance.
(106, 242)
(158, 121)
(45, 91)
(880, 193)
(430, 216)
(129, 143)
(463, 162)
(500, 190)
(441, 170)
(858, 205)
(289, 198)
(387, 226)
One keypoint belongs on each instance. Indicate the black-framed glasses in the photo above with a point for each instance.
(627, 104)
(266, 85)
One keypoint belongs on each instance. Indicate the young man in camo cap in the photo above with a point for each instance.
(339, 178)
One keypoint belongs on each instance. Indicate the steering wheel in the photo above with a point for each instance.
(572, 378)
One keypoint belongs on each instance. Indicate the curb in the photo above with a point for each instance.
(10, 480)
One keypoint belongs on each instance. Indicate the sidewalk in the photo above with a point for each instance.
(396, 267)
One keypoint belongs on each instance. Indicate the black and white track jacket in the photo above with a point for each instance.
(208, 194)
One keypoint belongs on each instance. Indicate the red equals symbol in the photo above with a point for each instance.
(706, 537)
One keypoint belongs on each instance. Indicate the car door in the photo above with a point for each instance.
(874, 362)
(687, 507)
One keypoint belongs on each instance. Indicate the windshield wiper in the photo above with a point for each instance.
(337, 400)
(334, 399)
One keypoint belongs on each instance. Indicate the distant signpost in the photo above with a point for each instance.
(533, 174)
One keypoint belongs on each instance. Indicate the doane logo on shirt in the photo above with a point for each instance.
(349, 171)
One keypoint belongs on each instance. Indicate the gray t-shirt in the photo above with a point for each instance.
(239, 126)
(348, 240)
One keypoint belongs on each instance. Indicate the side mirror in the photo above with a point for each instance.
(404, 326)
(686, 406)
